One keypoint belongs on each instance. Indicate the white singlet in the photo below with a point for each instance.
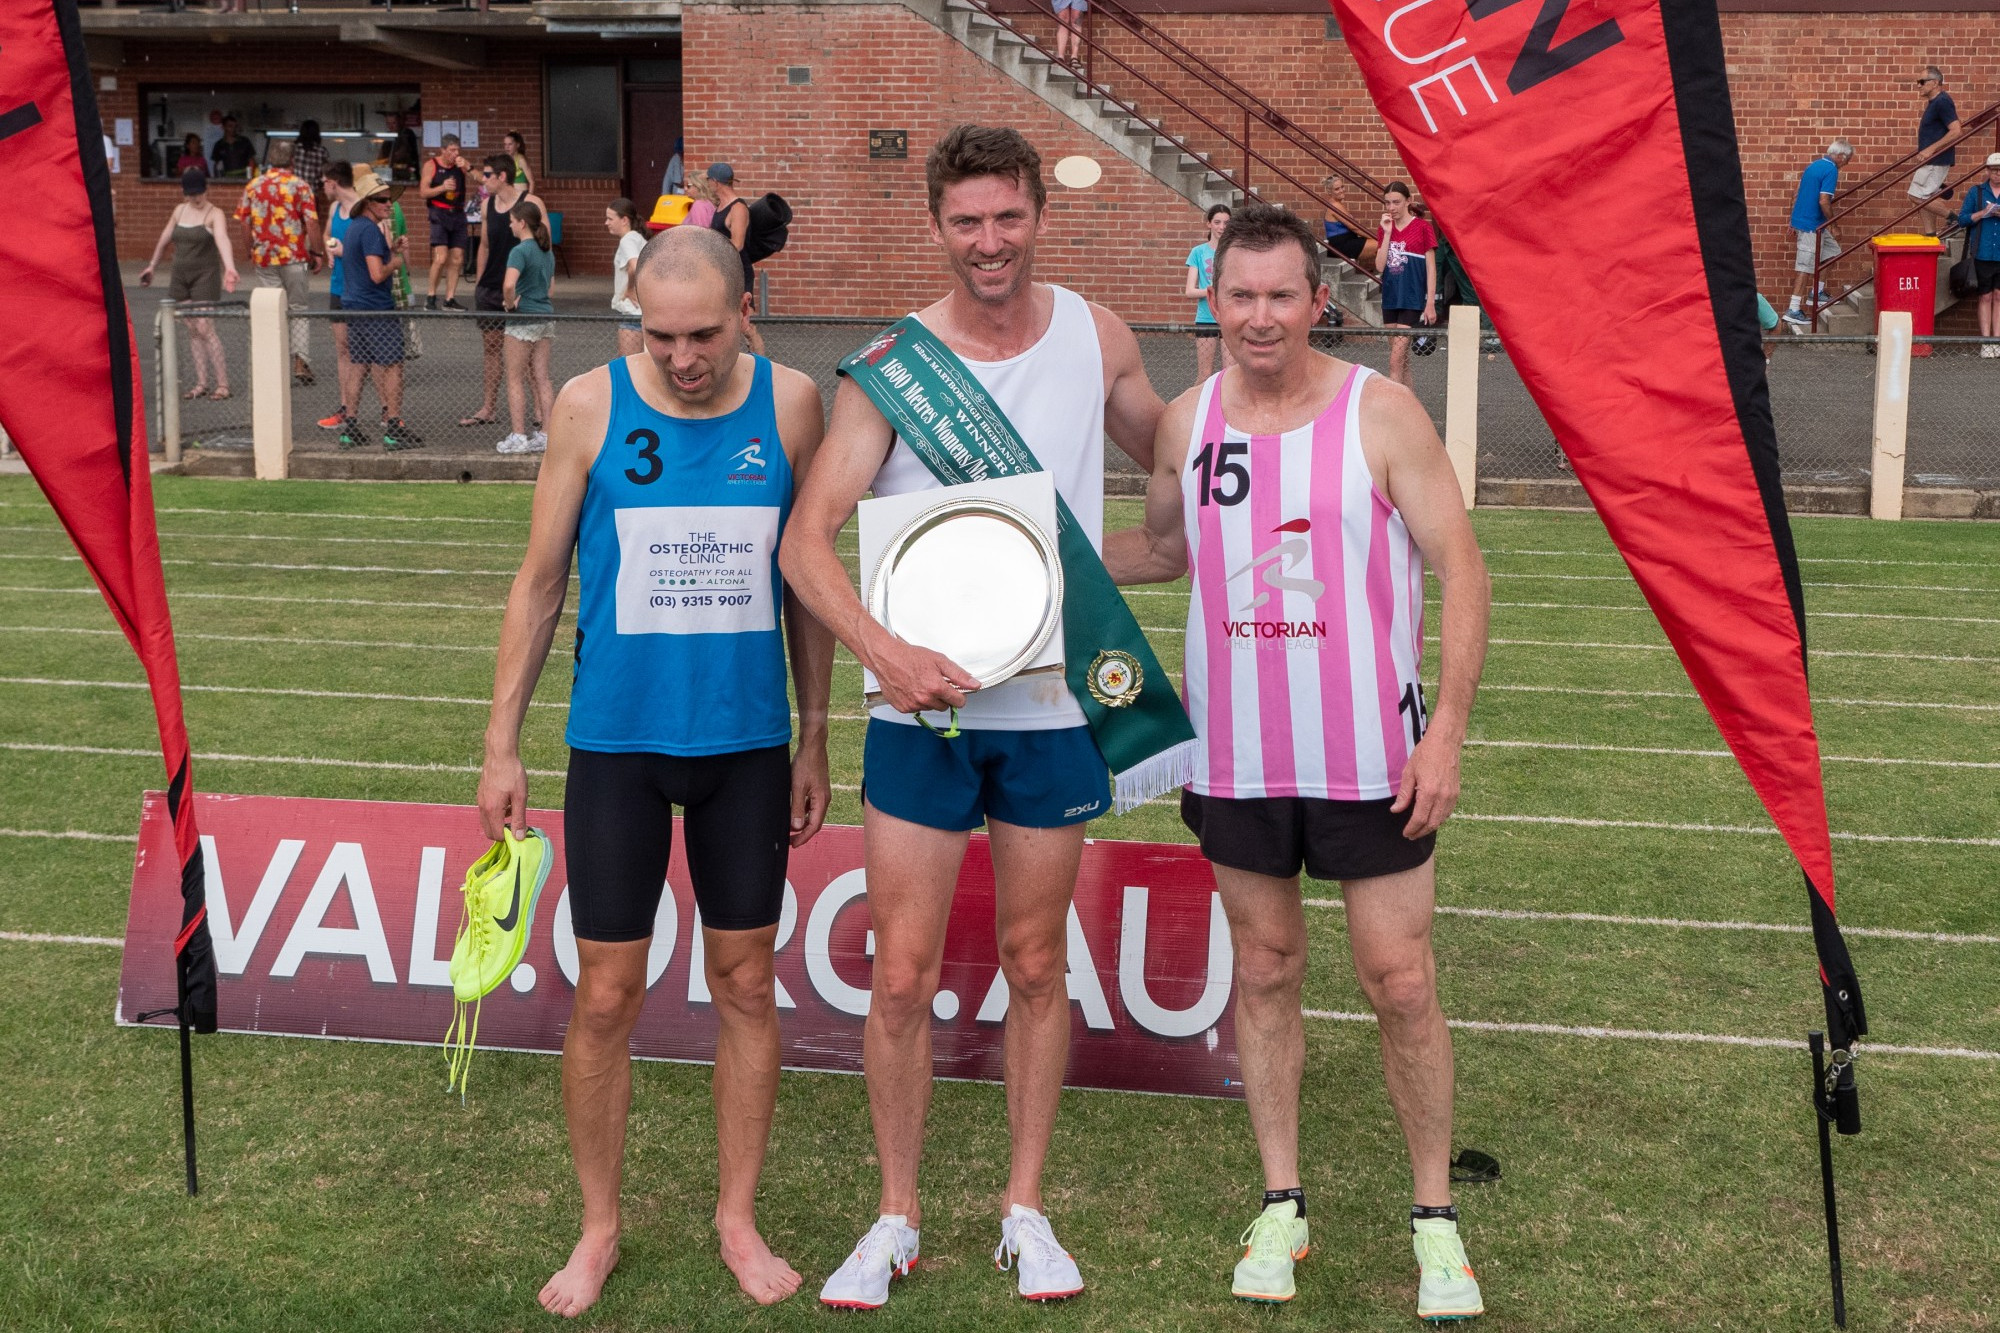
(1305, 627)
(1054, 395)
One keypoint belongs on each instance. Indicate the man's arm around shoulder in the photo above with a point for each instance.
(534, 604)
(1131, 406)
(1156, 551)
(1420, 482)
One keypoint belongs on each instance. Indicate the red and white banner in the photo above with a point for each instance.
(336, 919)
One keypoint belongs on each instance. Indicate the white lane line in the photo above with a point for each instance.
(72, 834)
(286, 639)
(1679, 923)
(292, 513)
(1641, 1034)
(34, 937)
(178, 596)
(1724, 754)
(1690, 694)
(320, 569)
(307, 760)
(296, 537)
(272, 689)
(1804, 560)
(1642, 609)
(1569, 821)
(1341, 1016)
(1815, 615)
(1667, 648)
(1626, 578)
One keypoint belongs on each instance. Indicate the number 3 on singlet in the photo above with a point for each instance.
(696, 569)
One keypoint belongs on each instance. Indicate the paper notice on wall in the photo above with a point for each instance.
(433, 134)
(468, 134)
(449, 127)
(124, 131)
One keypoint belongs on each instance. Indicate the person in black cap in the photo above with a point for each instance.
(732, 219)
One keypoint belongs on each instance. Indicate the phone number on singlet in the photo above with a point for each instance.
(699, 599)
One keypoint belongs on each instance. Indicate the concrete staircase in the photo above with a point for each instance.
(1118, 129)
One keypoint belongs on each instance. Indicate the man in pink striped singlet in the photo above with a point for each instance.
(1304, 496)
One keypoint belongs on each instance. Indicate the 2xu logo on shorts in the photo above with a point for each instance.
(335, 918)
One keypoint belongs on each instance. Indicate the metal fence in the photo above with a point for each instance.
(1822, 390)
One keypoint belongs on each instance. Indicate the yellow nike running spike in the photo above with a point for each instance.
(501, 890)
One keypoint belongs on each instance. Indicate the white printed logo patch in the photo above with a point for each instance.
(696, 569)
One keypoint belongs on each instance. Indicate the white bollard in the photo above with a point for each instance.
(1461, 400)
(1892, 414)
(270, 384)
(169, 354)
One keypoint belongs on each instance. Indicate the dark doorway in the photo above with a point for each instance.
(652, 126)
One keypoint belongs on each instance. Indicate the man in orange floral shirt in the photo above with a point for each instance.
(279, 219)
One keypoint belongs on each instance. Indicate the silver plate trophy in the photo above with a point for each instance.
(975, 579)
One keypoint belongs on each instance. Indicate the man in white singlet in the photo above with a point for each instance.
(1303, 496)
(1066, 373)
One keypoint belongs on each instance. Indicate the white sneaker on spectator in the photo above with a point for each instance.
(1045, 1270)
(862, 1283)
(1989, 349)
(538, 443)
(515, 443)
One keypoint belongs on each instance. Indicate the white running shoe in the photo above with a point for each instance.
(1044, 1268)
(538, 443)
(1446, 1288)
(515, 443)
(862, 1283)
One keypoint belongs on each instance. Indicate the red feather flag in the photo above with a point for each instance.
(1582, 157)
(69, 392)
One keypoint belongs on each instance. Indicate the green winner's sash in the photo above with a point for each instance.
(944, 413)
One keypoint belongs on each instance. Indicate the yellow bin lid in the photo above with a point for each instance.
(1907, 241)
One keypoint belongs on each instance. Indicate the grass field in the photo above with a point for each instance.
(1610, 869)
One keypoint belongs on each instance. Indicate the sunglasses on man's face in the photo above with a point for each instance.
(1925, 83)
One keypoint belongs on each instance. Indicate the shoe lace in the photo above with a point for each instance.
(1021, 1234)
(472, 940)
(883, 1243)
(1267, 1238)
(1441, 1252)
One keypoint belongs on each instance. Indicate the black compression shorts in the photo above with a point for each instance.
(618, 831)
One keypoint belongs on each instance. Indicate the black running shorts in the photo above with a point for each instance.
(618, 832)
(1334, 840)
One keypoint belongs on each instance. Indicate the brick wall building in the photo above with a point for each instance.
(859, 242)
(788, 92)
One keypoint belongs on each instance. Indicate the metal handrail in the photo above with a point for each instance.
(1870, 190)
(1091, 46)
(1168, 45)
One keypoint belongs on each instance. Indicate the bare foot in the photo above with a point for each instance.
(575, 1289)
(764, 1277)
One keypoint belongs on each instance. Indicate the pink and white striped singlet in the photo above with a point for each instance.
(1305, 627)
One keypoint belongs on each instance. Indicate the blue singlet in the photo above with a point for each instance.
(678, 647)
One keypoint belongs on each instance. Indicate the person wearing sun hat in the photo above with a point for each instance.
(370, 262)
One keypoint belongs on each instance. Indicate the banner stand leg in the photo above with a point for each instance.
(1823, 1112)
(187, 1103)
(180, 1013)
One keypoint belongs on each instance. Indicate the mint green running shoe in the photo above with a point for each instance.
(1272, 1247)
(1446, 1288)
(501, 889)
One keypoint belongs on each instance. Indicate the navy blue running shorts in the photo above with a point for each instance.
(1031, 779)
